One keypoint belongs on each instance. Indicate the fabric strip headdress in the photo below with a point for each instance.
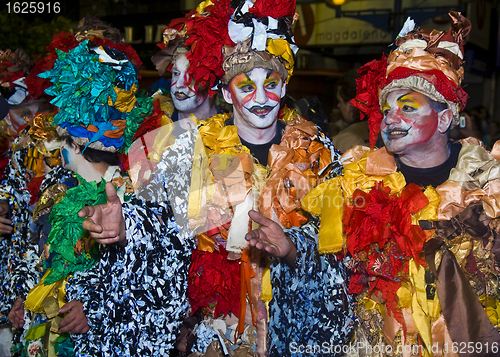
(224, 38)
(262, 32)
(426, 60)
(89, 28)
(94, 87)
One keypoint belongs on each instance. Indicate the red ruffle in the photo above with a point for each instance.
(6, 76)
(382, 239)
(367, 87)
(274, 9)
(207, 35)
(214, 283)
(63, 41)
(443, 85)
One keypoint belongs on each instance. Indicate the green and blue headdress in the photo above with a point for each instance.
(95, 88)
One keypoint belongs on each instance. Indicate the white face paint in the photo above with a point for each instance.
(256, 97)
(185, 96)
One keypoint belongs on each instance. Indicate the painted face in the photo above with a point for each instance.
(409, 121)
(256, 97)
(68, 157)
(184, 95)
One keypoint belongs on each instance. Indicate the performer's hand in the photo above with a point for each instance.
(5, 223)
(271, 239)
(105, 222)
(16, 314)
(75, 321)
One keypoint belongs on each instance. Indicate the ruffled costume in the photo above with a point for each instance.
(387, 223)
(422, 260)
(25, 178)
(212, 180)
(220, 268)
(133, 298)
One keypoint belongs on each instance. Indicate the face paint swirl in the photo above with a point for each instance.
(409, 120)
(256, 96)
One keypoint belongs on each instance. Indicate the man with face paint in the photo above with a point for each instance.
(263, 159)
(95, 315)
(188, 98)
(408, 211)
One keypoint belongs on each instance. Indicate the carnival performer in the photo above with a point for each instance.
(259, 157)
(418, 224)
(35, 165)
(187, 104)
(129, 292)
(188, 98)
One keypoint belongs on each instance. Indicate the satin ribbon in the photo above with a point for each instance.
(328, 198)
(266, 293)
(430, 212)
(294, 171)
(476, 178)
(454, 199)
(36, 296)
(246, 273)
(47, 299)
(229, 180)
(465, 317)
(283, 172)
(34, 162)
(287, 115)
(41, 128)
(420, 312)
(161, 142)
(492, 307)
(495, 151)
(120, 124)
(219, 138)
(421, 60)
(475, 167)
(281, 48)
(202, 5)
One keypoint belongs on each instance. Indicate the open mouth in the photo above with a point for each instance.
(261, 111)
(396, 133)
(181, 96)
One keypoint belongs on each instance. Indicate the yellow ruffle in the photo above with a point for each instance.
(328, 198)
(36, 296)
(281, 48)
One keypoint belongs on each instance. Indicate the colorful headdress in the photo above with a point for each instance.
(224, 38)
(89, 28)
(94, 87)
(262, 32)
(426, 60)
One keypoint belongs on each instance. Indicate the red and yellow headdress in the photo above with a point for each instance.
(224, 38)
